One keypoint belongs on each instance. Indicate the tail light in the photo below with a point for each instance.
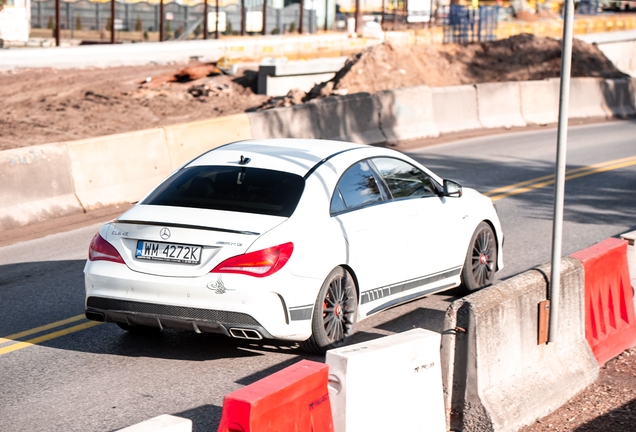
(101, 250)
(259, 263)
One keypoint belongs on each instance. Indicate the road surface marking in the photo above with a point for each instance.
(13, 337)
(16, 345)
(539, 182)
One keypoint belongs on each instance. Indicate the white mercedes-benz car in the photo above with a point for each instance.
(289, 239)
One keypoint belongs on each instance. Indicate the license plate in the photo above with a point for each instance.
(171, 252)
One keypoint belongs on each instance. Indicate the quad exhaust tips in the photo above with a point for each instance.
(240, 333)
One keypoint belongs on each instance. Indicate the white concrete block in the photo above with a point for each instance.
(162, 423)
(393, 383)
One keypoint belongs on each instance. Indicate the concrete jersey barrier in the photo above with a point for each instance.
(298, 121)
(118, 168)
(618, 97)
(455, 108)
(187, 141)
(499, 105)
(35, 185)
(587, 98)
(539, 101)
(496, 375)
(354, 118)
(407, 114)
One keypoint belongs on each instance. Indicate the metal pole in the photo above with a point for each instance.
(205, 19)
(112, 21)
(216, 24)
(161, 23)
(357, 17)
(57, 22)
(264, 30)
(382, 16)
(327, 15)
(242, 17)
(559, 184)
(302, 17)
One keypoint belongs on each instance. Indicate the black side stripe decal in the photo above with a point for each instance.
(407, 298)
(378, 293)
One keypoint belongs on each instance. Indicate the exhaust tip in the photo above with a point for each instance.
(95, 316)
(240, 333)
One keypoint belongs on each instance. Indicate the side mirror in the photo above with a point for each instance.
(452, 189)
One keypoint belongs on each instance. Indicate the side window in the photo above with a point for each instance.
(356, 188)
(403, 179)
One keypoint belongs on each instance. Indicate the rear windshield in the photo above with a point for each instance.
(239, 189)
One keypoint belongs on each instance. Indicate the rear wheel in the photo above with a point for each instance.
(334, 313)
(481, 260)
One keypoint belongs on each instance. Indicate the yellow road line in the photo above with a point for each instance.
(539, 182)
(47, 337)
(551, 176)
(11, 338)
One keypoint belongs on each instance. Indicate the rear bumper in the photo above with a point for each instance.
(165, 316)
(278, 308)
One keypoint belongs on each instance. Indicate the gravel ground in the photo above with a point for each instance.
(609, 405)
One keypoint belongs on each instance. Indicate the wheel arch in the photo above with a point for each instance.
(356, 285)
(494, 230)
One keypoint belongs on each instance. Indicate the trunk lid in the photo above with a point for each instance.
(184, 242)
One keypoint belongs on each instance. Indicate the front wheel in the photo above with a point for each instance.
(334, 313)
(481, 259)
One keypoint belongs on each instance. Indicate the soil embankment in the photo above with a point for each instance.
(43, 106)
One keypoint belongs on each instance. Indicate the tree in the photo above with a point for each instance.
(138, 24)
(292, 27)
(50, 25)
(78, 23)
(228, 28)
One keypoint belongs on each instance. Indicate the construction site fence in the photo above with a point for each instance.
(144, 17)
(464, 24)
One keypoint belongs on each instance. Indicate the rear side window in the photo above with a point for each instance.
(356, 188)
(239, 189)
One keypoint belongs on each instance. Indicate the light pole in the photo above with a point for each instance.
(559, 183)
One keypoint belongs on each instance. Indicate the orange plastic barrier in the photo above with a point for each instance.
(610, 325)
(295, 399)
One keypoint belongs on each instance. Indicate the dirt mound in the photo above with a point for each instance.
(519, 58)
(41, 106)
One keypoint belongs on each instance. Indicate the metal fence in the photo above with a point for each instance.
(86, 15)
(588, 7)
(463, 24)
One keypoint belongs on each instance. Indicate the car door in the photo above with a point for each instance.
(432, 222)
(373, 229)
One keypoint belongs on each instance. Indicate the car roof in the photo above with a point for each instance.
(296, 156)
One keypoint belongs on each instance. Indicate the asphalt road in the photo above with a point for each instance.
(100, 378)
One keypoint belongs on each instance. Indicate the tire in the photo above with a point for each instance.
(334, 313)
(481, 259)
(139, 329)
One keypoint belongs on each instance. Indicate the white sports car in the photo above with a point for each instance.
(289, 239)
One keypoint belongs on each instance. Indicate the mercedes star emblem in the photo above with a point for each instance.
(164, 233)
